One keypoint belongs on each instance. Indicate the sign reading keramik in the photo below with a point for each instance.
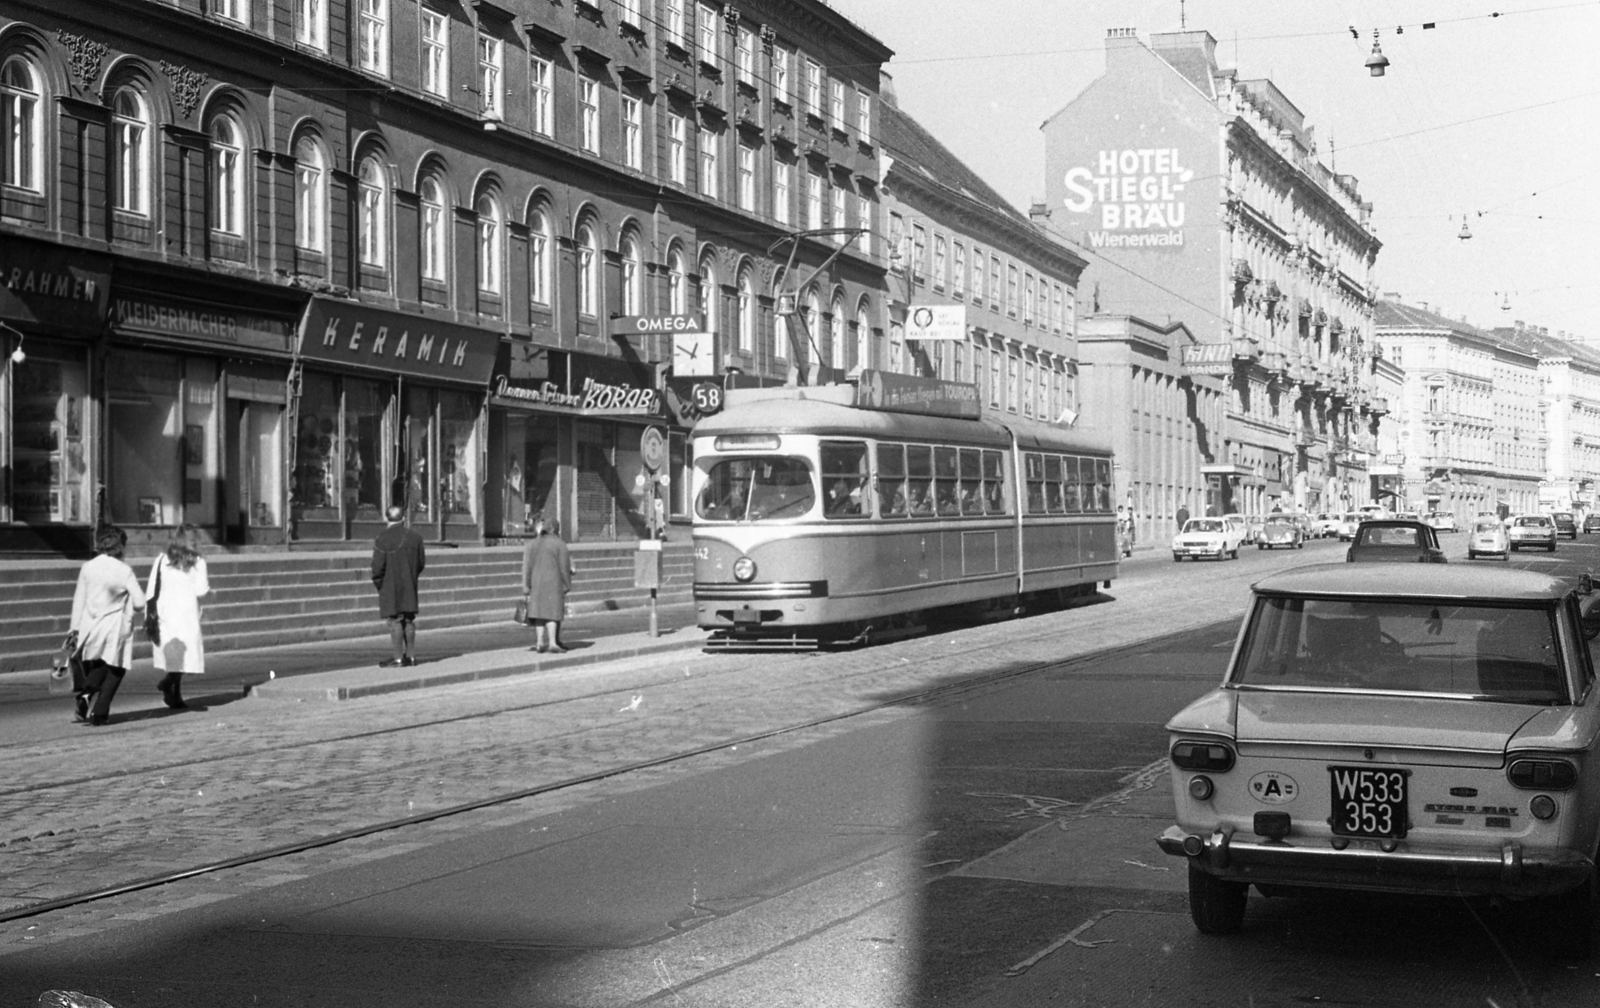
(344, 332)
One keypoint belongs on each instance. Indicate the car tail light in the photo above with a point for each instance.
(1200, 787)
(1192, 755)
(1543, 807)
(1545, 775)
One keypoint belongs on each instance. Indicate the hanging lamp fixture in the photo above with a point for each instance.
(1377, 62)
(1465, 232)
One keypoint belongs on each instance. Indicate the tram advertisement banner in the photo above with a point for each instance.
(576, 383)
(901, 393)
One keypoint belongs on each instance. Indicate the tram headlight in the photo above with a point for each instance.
(744, 569)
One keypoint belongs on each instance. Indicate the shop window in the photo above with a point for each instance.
(610, 506)
(50, 471)
(145, 451)
(458, 450)
(339, 457)
(260, 470)
(681, 470)
(199, 442)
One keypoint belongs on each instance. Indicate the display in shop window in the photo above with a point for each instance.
(150, 510)
(49, 463)
(194, 444)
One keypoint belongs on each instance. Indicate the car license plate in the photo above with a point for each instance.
(1368, 801)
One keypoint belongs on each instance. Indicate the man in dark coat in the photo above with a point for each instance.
(397, 562)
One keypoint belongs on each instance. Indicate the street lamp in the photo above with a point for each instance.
(17, 356)
(1377, 62)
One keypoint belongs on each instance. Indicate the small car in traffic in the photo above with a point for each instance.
(1393, 540)
(1431, 732)
(1327, 524)
(1212, 537)
(1532, 530)
(1442, 521)
(1281, 530)
(1488, 539)
(1591, 523)
(1348, 523)
(1565, 524)
(1243, 524)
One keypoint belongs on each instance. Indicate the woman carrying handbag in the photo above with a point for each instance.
(107, 596)
(546, 579)
(177, 583)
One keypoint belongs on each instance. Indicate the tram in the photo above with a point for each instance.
(818, 520)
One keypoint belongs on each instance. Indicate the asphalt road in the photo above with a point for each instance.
(991, 847)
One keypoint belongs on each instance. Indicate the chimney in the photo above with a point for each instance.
(886, 89)
(1121, 43)
(1192, 53)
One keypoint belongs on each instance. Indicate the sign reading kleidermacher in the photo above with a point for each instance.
(900, 393)
(345, 332)
(53, 285)
(158, 314)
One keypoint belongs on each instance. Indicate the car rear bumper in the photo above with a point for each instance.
(1511, 870)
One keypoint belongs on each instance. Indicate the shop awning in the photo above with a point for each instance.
(358, 335)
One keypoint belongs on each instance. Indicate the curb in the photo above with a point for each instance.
(298, 688)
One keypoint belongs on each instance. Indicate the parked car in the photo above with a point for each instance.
(1565, 524)
(1442, 521)
(1393, 540)
(1591, 523)
(1244, 526)
(1349, 523)
(1429, 733)
(1213, 537)
(1488, 538)
(1532, 530)
(1280, 530)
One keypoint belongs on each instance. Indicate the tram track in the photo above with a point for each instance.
(912, 698)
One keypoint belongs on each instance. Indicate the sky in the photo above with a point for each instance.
(1494, 119)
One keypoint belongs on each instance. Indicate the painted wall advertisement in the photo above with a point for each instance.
(1131, 198)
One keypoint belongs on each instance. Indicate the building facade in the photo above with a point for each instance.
(1200, 198)
(1569, 373)
(958, 245)
(328, 256)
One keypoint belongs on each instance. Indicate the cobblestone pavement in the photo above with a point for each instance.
(120, 804)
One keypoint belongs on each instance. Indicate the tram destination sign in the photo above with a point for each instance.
(901, 393)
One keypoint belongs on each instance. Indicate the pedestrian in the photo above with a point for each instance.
(546, 579)
(107, 596)
(177, 583)
(1183, 517)
(397, 561)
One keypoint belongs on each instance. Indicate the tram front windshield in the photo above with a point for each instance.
(756, 488)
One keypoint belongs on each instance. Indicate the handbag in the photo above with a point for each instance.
(152, 618)
(66, 666)
(519, 615)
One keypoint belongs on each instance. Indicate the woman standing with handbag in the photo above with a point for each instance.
(546, 579)
(103, 605)
(177, 583)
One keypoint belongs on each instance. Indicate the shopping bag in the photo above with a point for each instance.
(66, 667)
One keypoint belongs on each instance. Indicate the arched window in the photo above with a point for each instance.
(227, 177)
(310, 196)
(539, 257)
(677, 284)
(707, 306)
(490, 244)
(19, 109)
(373, 215)
(813, 316)
(130, 127)
(747, 312)
(435, 231)
(836, 334)
(863, 337)
(588, 272)
(632, 277)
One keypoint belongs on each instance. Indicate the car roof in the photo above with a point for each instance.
(1394, 523)
(1414, 580)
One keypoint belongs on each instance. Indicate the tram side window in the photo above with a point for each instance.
(1035, 466)
(994, 474)
(946, 480)
(1102, 484)
(1073, 501)
(726, 492)
(1052, 483)
(919, 479)
(892, 480)
(1086, 484)
(844, 478)
(971, 481)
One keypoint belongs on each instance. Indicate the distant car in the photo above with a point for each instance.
(1408, 516)
(1429, 732)
(1565, 524)
(1488, 538)
(1281, 530)
(1591, 523)
(1348, 523)
(1532, 530)
(1213, 537)
(1244, 526)
(1395, 541)
(1254, 524)
(1373, 511)
(1442, 521)
(1327, 524)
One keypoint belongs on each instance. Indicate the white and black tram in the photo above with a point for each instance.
(817, 520)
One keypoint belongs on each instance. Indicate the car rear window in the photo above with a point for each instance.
(1488, 651)
(1386, 536)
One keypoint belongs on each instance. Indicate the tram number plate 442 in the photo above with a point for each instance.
(1368, 801)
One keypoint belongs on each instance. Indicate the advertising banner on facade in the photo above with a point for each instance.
(1131, 198)
(343, 332)
(53, 285)
(1208, 358)
(901, 393)
(936, 322)
(578, 384)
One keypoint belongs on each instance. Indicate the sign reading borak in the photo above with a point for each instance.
(349, 333)
(1137, 195)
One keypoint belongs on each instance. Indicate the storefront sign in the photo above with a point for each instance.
(345, 333)
(937, 322)
(900, 393)
(154, 314)
(1208, 358)
(656, 325)
(1139, 194)
(53, 285)
(581, 384)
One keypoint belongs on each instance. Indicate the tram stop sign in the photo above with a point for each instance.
(652, 448)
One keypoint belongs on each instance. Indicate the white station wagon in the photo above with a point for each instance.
(1431, 731)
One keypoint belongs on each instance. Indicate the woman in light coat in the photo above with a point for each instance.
(546, 579)
(103, 607)
(177, 583)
